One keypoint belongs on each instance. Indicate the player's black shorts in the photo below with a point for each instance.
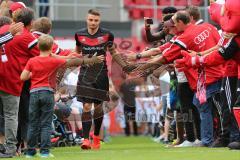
(93, 86)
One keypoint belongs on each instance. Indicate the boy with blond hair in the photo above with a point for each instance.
(42, 72)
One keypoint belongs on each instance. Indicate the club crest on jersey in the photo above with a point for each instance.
(100, 39)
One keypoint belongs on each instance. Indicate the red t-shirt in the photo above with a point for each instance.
(197, 38)
(56, 49)
(18, 51)
(44, 70)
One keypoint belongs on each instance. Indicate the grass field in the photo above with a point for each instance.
(142, 148)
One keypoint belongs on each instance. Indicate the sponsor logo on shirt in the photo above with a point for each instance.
(93, 48)
(201, 37)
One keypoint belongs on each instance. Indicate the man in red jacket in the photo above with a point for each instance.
(18, 51)
(228, 53)
(198, 38)
(6, 35)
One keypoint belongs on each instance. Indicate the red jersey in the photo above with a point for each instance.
(55, 49)
(18, 51)
(5, 35)
(167, 44)
(231, 68)
(43, 71)
(197, 38)
(170, 43)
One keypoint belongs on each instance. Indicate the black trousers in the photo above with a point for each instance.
(228, 125)
(189, 112)
(129, 114)
(23, 112)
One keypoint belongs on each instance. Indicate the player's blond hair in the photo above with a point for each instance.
(43, 24)
(45, 42)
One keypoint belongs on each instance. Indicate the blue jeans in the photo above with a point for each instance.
(40, 120)
(205, 111)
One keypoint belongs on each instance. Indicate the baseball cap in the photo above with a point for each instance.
(169, 23)
(17, 5)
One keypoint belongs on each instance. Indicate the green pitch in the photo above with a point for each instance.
(142, 148)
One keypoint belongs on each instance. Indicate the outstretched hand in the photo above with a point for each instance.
(144, 66)
(144, 70)
(187, 61)
(93, 60)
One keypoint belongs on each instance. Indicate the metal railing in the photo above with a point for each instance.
(77, 5)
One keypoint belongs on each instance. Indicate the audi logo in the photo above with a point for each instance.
(201, 37)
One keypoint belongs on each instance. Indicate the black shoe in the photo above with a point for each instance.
(166, 142)
(234, 145)
(219, 143)
(31, 152)
(6, 155)
(2, 148)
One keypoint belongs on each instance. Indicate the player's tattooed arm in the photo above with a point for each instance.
(145, 54)
(117, 57)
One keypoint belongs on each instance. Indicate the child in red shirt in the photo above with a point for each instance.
(42, 72)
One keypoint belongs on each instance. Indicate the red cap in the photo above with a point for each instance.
(17, 5)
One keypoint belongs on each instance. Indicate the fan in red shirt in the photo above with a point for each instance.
(18, 51)
(227, 52)
(42, 72)
(43, 25)
(198, 38)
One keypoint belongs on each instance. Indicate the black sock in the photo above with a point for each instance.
(86, 124)
(98, 118)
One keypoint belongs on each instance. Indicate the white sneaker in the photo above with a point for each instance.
(185, 144)
(158, 140)
(197, 143)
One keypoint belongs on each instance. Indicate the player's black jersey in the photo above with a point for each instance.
(94, 44)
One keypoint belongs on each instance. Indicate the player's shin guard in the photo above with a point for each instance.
(86, 124)
(98, 119)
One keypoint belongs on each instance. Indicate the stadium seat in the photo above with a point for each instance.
(180, 2)
(148, 13)
(128, 2)
(164, 2)
(159, 14)
(197, 2)
(143, 2)
(135, 13)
